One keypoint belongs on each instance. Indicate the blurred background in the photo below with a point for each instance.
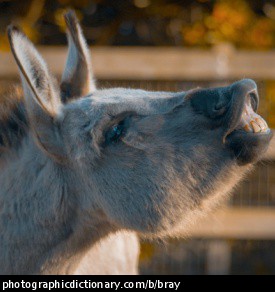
(189, 23)
(176, 45)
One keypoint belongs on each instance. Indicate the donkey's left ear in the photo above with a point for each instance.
(77, 79)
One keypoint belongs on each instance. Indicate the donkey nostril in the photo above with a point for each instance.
(245, 88)
(253, 96)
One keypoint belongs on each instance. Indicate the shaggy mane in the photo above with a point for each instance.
(13, 118)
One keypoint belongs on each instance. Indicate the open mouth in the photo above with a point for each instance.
(250, 121)
(247, 134)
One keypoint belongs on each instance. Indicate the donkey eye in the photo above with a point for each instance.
(115, 133)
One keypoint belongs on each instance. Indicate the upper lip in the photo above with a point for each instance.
(242, 110)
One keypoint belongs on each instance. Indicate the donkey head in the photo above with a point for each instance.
(149, 161)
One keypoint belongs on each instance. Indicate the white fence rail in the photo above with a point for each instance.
(162, 63)
(238, 223)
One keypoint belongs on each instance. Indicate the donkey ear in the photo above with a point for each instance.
(34, 73)
(77, 78)
(42, 99)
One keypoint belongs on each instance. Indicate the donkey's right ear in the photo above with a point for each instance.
(38, 83)
(42, 98)
(77, 79)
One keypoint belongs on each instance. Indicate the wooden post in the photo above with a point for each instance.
(218, 258)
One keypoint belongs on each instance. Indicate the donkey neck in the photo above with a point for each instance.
(42, 228)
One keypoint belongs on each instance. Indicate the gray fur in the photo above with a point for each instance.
(69, 192)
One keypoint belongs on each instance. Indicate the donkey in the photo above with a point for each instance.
(86, 170)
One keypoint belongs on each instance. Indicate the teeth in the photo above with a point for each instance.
(261, 123)
(247, 128)
(264, 124)
(251, 122)
(255, 126)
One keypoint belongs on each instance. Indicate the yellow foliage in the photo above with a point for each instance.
(59, 17)
(4, 44)
(232, 21)
(236, 13)
(194, 35)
